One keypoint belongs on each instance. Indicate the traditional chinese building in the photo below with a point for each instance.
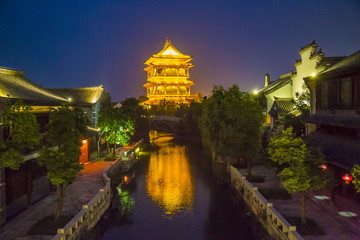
(279, 94)
(334, 122)
(167, 75)
(20, 188)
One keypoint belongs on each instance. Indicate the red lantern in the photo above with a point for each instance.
(324, 167)
(347, 178)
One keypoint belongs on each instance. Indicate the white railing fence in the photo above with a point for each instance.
(91, 213)
(272, 220)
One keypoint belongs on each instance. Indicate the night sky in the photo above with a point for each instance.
(83, 43)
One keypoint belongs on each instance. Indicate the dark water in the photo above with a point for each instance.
(177, 197)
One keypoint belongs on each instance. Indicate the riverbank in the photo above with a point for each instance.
(78, 193)
(178, 197)
(334, 225)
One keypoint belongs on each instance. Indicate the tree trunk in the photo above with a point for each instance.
(114, 150)
(333, 195)
(302, 207)
(249, 167)
(60, 188)
(2, 197)
(277, 181)
(29, 188)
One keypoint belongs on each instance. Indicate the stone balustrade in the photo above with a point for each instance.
(130, 155)
(275, 224)
(91, 213)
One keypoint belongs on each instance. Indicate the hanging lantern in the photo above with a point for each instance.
(323, 167)
(347, 178)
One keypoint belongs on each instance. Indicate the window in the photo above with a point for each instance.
(338, 93)
(345, 93)
(333, 94)
(322, 96)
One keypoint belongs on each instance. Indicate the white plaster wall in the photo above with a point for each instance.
(283, 92)
(304, 69)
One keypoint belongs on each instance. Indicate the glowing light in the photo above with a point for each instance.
(169, 75)
(347, 178)
(347, 214)
(324, 167)
(321, 197)
(169, 181)
(255, 91)
(126, 179)
(84, 141)
(169, 51)
(313, 74)
(69, 99)
(137, 150)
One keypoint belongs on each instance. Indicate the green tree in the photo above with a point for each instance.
(231, 124)
(117, 125)
(191, 119)
(23, 135)
(355, 172)
(300, 165)
(302, 110)
(67, 127)
(140, 118)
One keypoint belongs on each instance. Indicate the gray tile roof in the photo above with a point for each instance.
(14, 85)
(274, 85)
(350, 62)
(282, 105)
(81, 96)
(329, 61)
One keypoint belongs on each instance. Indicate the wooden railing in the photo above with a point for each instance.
(272, 220)
(91, 213)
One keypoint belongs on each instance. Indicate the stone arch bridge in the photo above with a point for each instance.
(166, 123)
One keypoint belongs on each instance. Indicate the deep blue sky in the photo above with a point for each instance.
(82, 43)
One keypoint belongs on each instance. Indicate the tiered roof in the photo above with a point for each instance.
(169, 54)
(14, 85)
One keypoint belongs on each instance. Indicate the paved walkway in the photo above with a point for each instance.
(79, 193)
(321, 211)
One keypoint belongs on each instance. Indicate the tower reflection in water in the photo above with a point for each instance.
(169, 181)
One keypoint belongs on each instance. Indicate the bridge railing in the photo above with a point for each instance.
(264, 210)
(90, 214)
(165, 118)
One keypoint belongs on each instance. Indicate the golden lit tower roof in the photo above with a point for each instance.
(168, 52)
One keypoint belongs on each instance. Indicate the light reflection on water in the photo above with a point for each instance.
(169, 180)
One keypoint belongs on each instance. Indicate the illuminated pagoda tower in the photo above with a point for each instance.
(167, 75)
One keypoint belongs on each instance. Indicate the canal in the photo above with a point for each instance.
(177, 197)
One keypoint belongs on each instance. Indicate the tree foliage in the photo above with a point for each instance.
(300, 165)
(231, 123)
(117, 125)
(140, 118)
(302, 110)
(67, 127)
(23, 135)
(355, 172)
(191, 119)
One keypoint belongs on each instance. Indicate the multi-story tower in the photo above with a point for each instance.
(167, 75)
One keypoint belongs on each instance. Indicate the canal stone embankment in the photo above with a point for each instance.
(177, 197)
